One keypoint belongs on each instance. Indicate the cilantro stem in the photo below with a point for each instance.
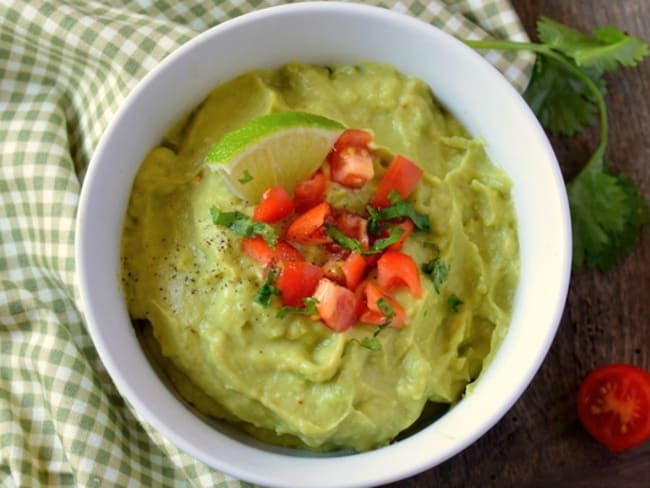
(597, 159)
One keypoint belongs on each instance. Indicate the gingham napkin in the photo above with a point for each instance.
(65, 67)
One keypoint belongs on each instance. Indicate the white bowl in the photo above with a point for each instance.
(325, 33)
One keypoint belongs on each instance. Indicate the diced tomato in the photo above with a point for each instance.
(308, 227)
(275, 205)
(353, 138)
(614, 405)
(337, 306)
(297, 280)
(352, 225)
(351, 160)
(373, 314)
(258, 249)
(353, 269)
(402, 176)
(311, 192)
(407, 225)
(395, 269)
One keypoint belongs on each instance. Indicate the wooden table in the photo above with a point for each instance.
(540, 442)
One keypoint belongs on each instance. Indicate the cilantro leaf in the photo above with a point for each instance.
(453, 302)
(604, 51)
(371, 343)
(562, 102)
(354, 245)
(607, 213)
(268, 288)
(246, 177)
(243, 225)
(343, 240)
(380, 244)
(388, 311)
(308, 309)
(437, 271)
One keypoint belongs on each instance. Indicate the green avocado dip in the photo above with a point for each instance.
(293, 381)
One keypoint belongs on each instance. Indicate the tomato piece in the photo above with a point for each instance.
(351, 160)
(258, 249)
(308, 228)
(297, 280)
(402, 176)
(311, 192)
(352, 225)
(352, 167)
(395, 269)
(407, 226)
(373, 314)
(614, 405)
(353, 269)
(353, 138)
(275, 205)
(337, 306)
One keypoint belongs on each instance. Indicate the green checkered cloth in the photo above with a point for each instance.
(65, 68)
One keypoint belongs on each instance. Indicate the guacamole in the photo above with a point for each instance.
(292, 380)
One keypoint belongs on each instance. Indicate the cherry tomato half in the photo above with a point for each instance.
(614, 405)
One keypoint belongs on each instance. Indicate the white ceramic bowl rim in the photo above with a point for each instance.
(415, 48)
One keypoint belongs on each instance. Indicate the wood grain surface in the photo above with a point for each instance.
(540, 442)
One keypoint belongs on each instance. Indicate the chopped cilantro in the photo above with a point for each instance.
(566, 91)
(437, 271)
(246, 177)
(354, 245)
(398, 209)
(372, 343)
(387, 310)
(453, 302)
(243, 225)
(342, 239)
(308, 309)
(268, 288)
(380, 244)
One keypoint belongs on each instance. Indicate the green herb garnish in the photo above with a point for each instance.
(372, 343)
(453, 302)
(566, 91)
(268, 288)
(243, 225)
(437, 271)
(246, 177)
(309, 308)
(354, 245)
(343, 240)
(398, 209)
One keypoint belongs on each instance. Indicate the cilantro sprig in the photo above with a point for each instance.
(566, 92)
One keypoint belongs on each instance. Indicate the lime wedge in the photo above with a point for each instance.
(276, 149)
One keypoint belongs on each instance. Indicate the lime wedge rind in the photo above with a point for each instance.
(239, 140)
(277, 149)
